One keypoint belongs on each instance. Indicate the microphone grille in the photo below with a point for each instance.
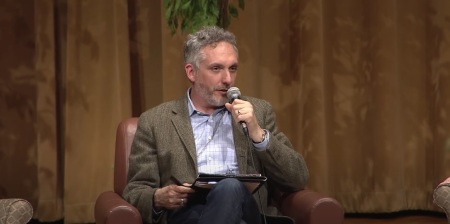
(233, 93)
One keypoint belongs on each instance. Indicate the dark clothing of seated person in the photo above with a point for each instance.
(202, 133)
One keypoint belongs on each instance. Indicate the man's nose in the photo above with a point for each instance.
(226, 77)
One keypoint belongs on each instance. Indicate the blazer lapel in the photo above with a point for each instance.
(181, 121)
(241, 147)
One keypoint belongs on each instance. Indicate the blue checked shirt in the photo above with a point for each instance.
(214, 140)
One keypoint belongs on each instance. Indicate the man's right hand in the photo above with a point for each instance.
(172, 196)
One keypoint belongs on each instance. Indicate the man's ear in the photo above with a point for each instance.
(190, 72)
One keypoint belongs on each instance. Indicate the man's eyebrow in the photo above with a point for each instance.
(222, 65)
(216, 64)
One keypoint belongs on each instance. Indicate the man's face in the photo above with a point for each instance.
(216, 73)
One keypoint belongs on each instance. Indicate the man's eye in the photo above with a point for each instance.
(216, 68)
(233, 69)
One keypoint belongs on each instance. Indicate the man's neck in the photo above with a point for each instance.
(201, 105)
(205, 110)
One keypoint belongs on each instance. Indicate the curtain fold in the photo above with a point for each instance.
(98, 97)
(360, 87)
(29, 165)
(49, 177)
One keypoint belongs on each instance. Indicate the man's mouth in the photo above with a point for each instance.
(223, 91)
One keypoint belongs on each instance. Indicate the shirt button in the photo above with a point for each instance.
(209, 137)
(209, 158)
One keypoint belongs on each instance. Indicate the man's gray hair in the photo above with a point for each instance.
(210, 35)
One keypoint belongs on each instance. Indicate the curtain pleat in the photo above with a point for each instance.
(98, 97)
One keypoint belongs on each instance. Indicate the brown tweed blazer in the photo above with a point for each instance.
(164, 145)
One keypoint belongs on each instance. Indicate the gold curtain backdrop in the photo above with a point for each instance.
(360, 87)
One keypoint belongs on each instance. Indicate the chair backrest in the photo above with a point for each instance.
(124, 139)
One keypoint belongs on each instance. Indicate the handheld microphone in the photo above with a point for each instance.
(232, 94)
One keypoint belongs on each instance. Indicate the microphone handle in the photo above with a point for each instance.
(243, 124)
(234, 97)
(244, 127)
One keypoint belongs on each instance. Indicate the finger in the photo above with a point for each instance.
(241, 110)
(183, 202)
(184, 189)
(238, 101)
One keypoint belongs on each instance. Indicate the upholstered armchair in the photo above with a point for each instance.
(441, 197)
(306, 206)
(15, 211)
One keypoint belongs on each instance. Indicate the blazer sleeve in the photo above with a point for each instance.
(142, 184)
(283, 165)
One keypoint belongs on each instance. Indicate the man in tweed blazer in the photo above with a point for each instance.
(201, 133)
